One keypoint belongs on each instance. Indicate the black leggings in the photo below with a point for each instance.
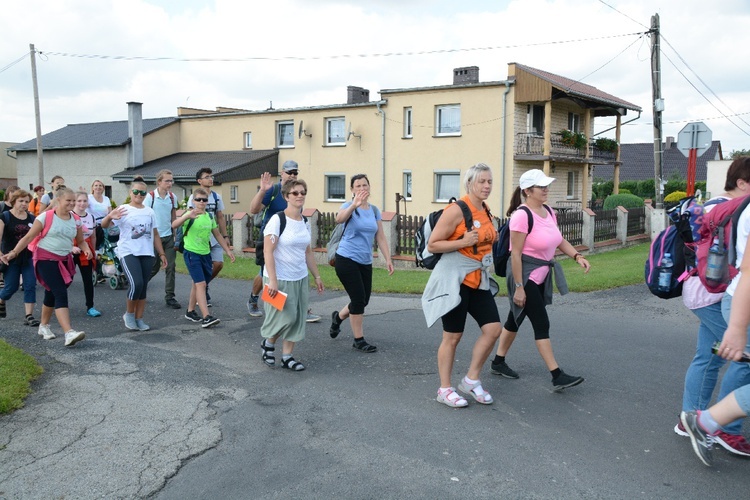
(87, 272)
(138, 270)
(57, 295)
(480, 304)
(357, 281)
(535, 309)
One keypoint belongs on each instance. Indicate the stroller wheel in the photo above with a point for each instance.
(113, 282)
(93, 278)
(123, 281)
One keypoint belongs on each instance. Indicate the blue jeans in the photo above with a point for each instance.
(737, 375)
(703, 372)
(13, 273)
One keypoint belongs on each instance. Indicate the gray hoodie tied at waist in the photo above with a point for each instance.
(442, 293)
(528, 265)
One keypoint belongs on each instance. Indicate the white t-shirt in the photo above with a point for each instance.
(743, 231)
(136, 231)
(59, 239)
(100, 210)
(289, 254)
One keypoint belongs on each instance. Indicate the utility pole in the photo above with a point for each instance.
(658, 107)
(39, 151)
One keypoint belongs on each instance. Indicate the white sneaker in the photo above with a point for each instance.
(72, 336)
(45, 332)
(142, 326)
(129, 320)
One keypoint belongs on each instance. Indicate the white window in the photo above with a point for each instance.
(248, 140)
(572, 186)
(448, 119)
(285, 134)
(407, 122)
(535, 119)
(335, 132)
(447, 185)
(335, 187)
(407, 184)
(234, 194)
(574, 122)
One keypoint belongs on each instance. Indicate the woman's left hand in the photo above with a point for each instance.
(584, 263)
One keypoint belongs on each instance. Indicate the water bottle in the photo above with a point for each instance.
(716, 263)
(665, 273)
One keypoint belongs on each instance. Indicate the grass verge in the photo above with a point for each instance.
(17, 370)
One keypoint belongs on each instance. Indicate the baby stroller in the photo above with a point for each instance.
(109, 263)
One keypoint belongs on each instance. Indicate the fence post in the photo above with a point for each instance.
(649, 215)
(622, 225)
(390, 223)
(589, 226)
(312, 215)
(239, 232)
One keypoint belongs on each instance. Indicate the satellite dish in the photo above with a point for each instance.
(301, 131)
(351, 133)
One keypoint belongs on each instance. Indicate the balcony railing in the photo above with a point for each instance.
(529, 143)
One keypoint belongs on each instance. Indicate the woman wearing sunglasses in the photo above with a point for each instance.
(138, 239)
(288, 256)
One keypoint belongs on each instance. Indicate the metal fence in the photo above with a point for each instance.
(571, 226)
(636, 221)
(605, 225)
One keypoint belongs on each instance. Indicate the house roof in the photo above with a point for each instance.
(578, 89)
(637, 162)
(227, 166)
(92, 135)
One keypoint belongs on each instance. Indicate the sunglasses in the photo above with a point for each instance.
(540, 187)
(202, 200)
(291, 172)
(298, 193)
(207, 177)
(138, 191)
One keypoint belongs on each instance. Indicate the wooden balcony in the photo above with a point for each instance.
(530, 146)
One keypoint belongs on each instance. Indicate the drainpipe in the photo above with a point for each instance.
(502, 148)
(382, 150)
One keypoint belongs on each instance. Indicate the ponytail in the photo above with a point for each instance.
(515, 202)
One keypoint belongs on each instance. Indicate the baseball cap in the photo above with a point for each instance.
(290, 165)
(534, 177)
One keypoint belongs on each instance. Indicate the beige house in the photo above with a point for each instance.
(7, 166)
(414, 144)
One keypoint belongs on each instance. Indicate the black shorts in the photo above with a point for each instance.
(479, 303)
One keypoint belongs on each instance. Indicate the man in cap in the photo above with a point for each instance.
(268, 200)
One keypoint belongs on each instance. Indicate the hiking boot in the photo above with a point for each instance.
(700, 439)
(45, 332)
(209, 321)
(193, 316)
(679, 429)
(503, 369)
(312, 318)
(72, 336)
(252, 307)
(563, 381)
(129, 320)
(173, 304)
(733, 443)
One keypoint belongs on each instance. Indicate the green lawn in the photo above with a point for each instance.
(17, 370)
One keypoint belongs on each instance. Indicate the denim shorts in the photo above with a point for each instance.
(199, 266)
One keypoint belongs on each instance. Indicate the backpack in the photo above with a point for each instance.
(678, 240)
(260, 245)
(720, 224)
(260, 216)
(338, 233)
(179, 235)
(48, 219)
(425, 258)
(501, 246)
(171, 196)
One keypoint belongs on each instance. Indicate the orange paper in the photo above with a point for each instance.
(278, 301)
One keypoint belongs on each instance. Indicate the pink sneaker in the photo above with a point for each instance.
(733, 443)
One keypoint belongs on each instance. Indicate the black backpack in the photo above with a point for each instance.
(501, 247)
(426, 259)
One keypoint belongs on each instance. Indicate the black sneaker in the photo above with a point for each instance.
(209, 321)
(173, 304)
(503, 369)
(362, 345)
(563, 381)
(335, 327)
(193, 316)
(700, 439)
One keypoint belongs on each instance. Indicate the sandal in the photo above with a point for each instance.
(31, 320)
(292, 364)
(362, 345)
(451, 398)
(268, 357)
(335, 326)
(2, 310)
(480, 395)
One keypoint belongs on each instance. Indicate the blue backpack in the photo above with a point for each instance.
(501, 247)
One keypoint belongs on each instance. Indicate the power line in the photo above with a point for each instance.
(612, 59)
(10, 65)
(623, 14)
(338, 56)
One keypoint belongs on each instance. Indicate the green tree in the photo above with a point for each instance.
(739, 152)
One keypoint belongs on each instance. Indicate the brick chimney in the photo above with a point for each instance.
(135, 134)
(670, 142)
(357, 95)
(468, 74)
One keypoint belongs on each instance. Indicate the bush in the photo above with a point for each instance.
(630, 186)
(646, 189)
(624, 200)
(673, 185)
(601, 190)
(675, 196)
(625, 191)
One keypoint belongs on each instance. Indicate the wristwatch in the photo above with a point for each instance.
(519, 285)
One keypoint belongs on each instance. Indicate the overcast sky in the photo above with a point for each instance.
(304, 53)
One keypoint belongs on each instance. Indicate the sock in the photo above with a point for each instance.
(498, 360)
(442, 390)
(268, 343)
(708, 423)
(253, 298)
(285, 357)
(478, 390)
(556, 372)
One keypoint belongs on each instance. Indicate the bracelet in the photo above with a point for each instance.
(575, 257)
(162, 255)
(316, 277)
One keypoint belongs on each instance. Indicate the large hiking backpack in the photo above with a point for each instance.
(425, 258)
(501, 246)
(720, 224)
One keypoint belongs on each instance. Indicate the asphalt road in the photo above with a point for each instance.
(181, 412)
